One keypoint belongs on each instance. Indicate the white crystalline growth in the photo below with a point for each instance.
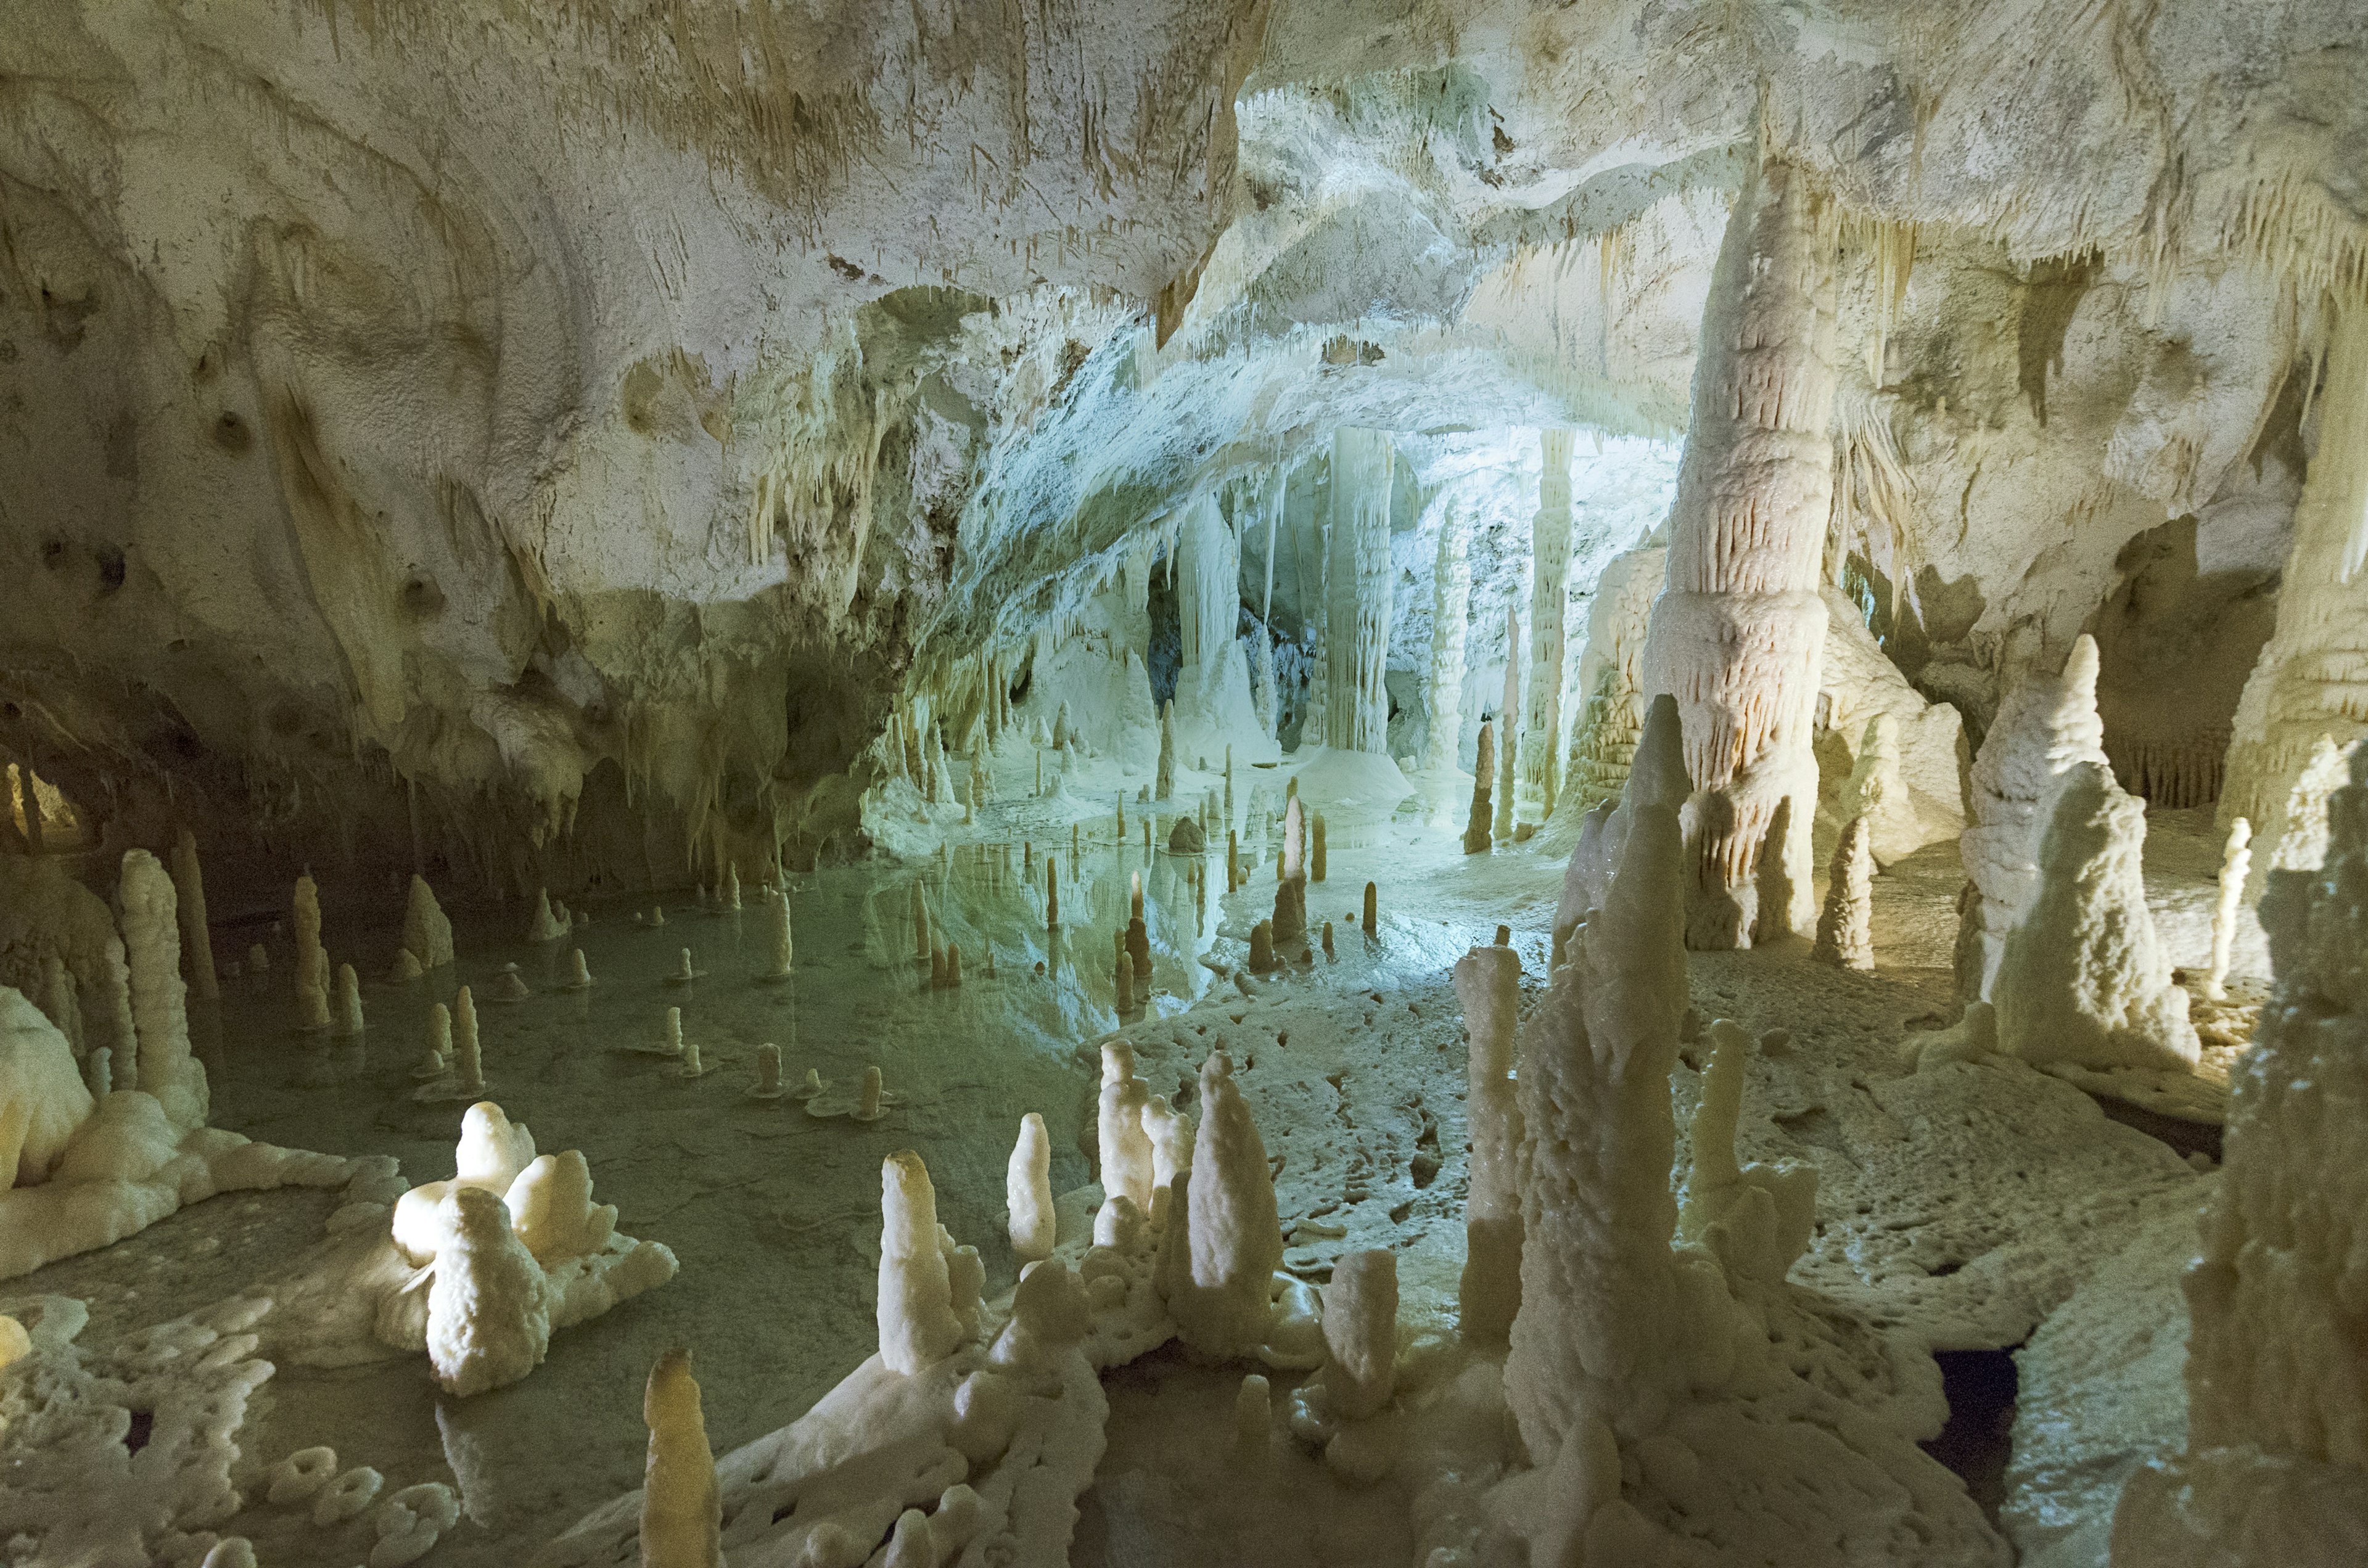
(2276, 1467)
(1657, 779)
(1027, 1192)
(1235, 1234)
(1124, 1147)
(426, 933)
(918, 1325)
(2043, 729)
(2082, 979)
(1487, 983)
(42, 1100)
(489, 1305)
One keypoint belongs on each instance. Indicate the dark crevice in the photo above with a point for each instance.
(1980, 1386)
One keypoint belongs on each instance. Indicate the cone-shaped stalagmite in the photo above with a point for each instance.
(1027, 1192)
(311, 959)
(1234, 1238)
(682, 1507)
(197, 945)
(1845, 929)
(917, 1320)
(1508, 729)
(1738, 633)
(1483, 781)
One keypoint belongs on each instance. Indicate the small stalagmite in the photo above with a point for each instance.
(1027, 1192)
(1253, 1418)
(1483, 781)
(2236, 865)
(1052, 894)
(346, 1022)
(1123, 1147)
(312, 959)
(1328, 951)
(1233, 1238)
(427, 932)
(732, 888)
(467, 1061)
(579, 974)
(1261, 946)
(1291, 871)
(871, 1102)
(197, 944)
(439, 1043)
(768, 1071)
(915, 1314)
(1373, 917)
(1845, 929)
(488, 1304)
(922, 946)
(672, 1040)
(953, 964)
(546, 927)
(1165, 786)
(1360, 1323)
(682, 1507)
(1316, 861)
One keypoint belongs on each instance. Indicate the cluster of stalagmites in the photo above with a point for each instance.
(508, 1248)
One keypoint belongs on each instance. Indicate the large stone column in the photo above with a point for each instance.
(1356, 630)
(2312, 677)
(1451, 600)
(1541, 748)
(1738, 633)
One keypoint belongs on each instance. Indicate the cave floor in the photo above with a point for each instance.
(1354, 1065)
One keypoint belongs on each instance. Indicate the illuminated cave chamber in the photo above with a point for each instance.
(1614, 754)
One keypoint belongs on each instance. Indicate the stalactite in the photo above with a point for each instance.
(1541, 747)
(1357, 706)
(1738, 633)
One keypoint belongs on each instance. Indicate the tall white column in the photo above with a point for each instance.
(1541, 748)
(1450, 602)
(1738, 633)
(1357, 633)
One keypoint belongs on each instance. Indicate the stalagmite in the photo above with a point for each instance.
(1450, 601)
(1484, 781)
(1253, 1418)
(732, 888)
(1261, 956)
(682, 1507)
(2311, 679)
(1052, 894)
(917, 1325)
(953, 964)
(488, 1306)
(871, 1103)
(2083, 980)
(690, 1066)
(1164, 785)
(1027, 1192)
(1598, 1340)
(579, 973)
(1487, 983)
(1358, 584)
(1738, 632)
(197, 941)
(768, 1072)
(2236, 865)
(311, 960)
(1123, 1147)
(670, 1041)
(1327, 940)
(439, 1043)
(1291, 881)
(2043, 729)
(1541, 748)
(467, 1063)
(1877, 791)
(162, 1064)
(1845, 929)
(1372, 915)
(1755, 1218)
(1509, 737)
(1610, 685)
(1361, 1324)
(922, 945)
(2276, 1430)
(347, 1005)
(1233, 860)
(551, 1209)
(545, 927)
(1234, 1237)
(1316, 861)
